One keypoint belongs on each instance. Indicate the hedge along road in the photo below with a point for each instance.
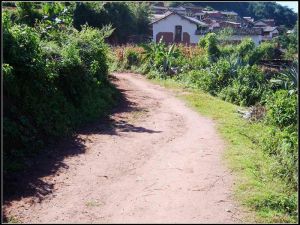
(157, 162)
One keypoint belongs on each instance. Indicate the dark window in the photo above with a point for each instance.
(178, 33)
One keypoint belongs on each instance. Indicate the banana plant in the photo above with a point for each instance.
(160, 56)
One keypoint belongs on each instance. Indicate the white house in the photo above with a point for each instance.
(176, 28)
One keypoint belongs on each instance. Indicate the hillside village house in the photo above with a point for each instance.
(188, 24)
(177, 28)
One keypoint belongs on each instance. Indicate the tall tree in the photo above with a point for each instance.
(127, 18)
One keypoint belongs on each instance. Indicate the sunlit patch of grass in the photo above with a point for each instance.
(266, 196)
(93, 203)
(12, 219)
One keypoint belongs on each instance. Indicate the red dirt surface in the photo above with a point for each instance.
(158, 161)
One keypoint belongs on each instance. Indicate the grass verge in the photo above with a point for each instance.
(264, 195)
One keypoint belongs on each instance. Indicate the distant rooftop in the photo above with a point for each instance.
(269, 29)
(229, 13)
(168, 13)
(244, 31)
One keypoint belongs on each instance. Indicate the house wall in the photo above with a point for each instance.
(270, 35)
(255, 38)
(274, 33)
(168, 25)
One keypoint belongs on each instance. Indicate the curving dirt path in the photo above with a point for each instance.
(157, 162)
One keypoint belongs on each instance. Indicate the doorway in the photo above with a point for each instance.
(178, 34)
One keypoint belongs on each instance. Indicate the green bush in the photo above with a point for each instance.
(282, 140)
(28, 13)
(221, 74)
(282, 109)
(247, 88)
(131, 59)
(227, 50)
(50, 87)
(264, 51)
(196, 78)
(209, 42)
(211, 79)
(282, 145)
(245, 48)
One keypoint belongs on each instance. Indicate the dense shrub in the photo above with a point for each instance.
(282, 145)
(132, 58)
(245, 47)
(247, 88)
(227, 50)
(198, 79)
(50, 86)
(28, 13)
(211, 79)
(221, 74)
(209, 42)
(264, 51)
(282, 109)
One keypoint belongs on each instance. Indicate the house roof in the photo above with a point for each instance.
(176, 9)
(190, 5)
(234, 23)
(210, 12)
(190, 19)
(209, 21)
(269, 29)
(247, 31)
(228, 13)
(156, 17)
(199, 13)
(248, 19)
(244, 31)
(260, 23)
(158, 7)
(267, 20)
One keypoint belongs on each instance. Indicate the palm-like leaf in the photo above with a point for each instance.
(288, 79)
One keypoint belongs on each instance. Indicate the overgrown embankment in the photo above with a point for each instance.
(263, 149)
(55, 79)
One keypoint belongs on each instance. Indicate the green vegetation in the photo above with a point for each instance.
(13, 220)
(289, 42)
(130, 19)
(127, 18)
(262, 150)
(55, 79)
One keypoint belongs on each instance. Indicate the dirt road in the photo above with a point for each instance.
(157, 162)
